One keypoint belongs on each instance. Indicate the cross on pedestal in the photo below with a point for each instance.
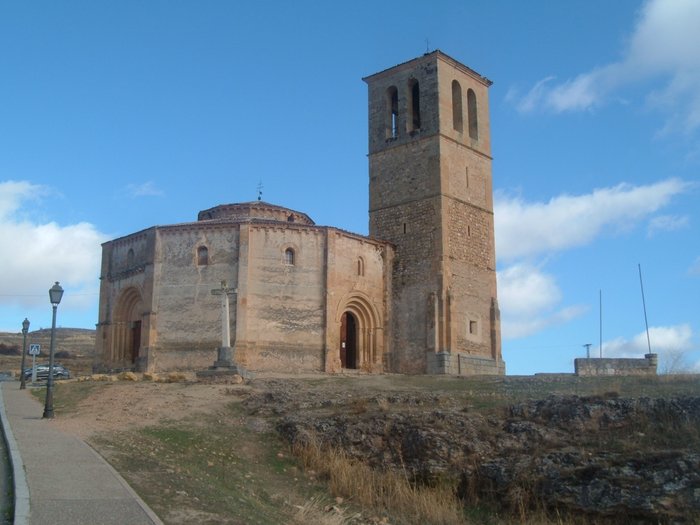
(224, 292)
(225, 355)
(225, 366)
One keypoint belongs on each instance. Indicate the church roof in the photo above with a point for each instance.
(259, 210)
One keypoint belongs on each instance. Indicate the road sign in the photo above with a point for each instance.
(34, 349)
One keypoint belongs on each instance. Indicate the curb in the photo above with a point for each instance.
(144, 506)
(19, 480)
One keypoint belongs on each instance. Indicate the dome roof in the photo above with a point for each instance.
(258, 210)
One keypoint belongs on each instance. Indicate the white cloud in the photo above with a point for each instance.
(522, 289)
(525, 229)
(672, 343)
(146, 189)
(529, 102)
(663, 339)
(527, 299)
(667, 223)
(664, 45)
(37, 254)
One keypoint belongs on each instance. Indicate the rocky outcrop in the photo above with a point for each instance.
(609, 458)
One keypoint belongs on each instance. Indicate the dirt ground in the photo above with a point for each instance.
(130, 405)
(127, 405)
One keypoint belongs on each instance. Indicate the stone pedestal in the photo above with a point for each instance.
(224, 357)
(225, 366)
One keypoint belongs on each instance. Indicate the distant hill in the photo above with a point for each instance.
(77, 341)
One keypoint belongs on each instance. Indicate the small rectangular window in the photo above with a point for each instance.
(472, 327)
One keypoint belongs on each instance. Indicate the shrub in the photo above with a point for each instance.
(6, 349)
(127, 376)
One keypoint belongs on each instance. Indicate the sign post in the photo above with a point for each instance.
(34, 350)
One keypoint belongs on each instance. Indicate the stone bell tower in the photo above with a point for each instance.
(430, 194)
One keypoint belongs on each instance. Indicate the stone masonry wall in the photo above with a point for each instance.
(283, 302)
(616, 366)
(188, 315)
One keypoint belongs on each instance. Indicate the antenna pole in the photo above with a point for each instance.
(587, 346)
(644, 305)
(600, 321)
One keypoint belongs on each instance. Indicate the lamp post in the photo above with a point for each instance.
(25, 329)
(55, 295)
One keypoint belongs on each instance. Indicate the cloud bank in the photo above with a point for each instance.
(525, 229)
(673, 344)
(35, 254)
(662, 50)
(529, 297)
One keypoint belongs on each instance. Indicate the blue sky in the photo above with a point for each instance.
(116, 116)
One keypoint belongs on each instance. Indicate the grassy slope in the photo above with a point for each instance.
(231, 466)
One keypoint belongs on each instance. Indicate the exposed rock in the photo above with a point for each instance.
(618, 459)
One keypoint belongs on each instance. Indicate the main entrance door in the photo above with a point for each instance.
(135, 340)
(348, 341)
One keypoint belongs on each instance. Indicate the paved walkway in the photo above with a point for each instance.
(59, 479)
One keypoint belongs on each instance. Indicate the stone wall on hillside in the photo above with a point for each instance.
(616, 366)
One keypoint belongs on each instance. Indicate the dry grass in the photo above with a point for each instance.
(381, 491)
(314, 511)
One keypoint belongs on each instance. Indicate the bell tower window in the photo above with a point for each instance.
(471, 109)
(457, 123)
(414, 106)
(392, 114)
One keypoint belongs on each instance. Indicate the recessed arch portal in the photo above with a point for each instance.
(361, 341)
(126, 331)
(348, 341)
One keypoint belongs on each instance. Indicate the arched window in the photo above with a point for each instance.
(202, 256)
(414, 105)
(130, 258)
(392, 114)
(360, 266)
(471, 109)
(457, 123)
(289, 257)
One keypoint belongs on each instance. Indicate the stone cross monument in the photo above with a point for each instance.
(225, 363)
(225, 355)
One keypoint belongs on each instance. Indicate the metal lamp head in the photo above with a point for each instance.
(25, 326)
(55, 293)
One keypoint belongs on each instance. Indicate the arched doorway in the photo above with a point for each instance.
(126, 332)
(348, 341)
(360, 336)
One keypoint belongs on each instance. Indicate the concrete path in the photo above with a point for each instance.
(65, 480)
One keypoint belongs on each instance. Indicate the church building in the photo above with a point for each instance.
(418, 295)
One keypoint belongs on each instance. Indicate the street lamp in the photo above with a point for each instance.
(25, 329)
(55, 294)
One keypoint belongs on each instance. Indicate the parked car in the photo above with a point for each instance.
(42, 372)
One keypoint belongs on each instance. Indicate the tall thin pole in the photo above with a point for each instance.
(644, 305)
(25, 329)
(48, 405)
(600, 321)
